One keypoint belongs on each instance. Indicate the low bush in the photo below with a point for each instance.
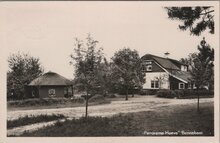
(27, 120)
(179, 93)
(148, 92)
(202, 92)
(123, 91)
(184, 94)
(167, 93)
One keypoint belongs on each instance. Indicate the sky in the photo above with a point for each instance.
(47, 30)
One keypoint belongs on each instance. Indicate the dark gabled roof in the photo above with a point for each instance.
(50, 78)
(178, 63)
(164, 62)
(184, 75)
(171, 65)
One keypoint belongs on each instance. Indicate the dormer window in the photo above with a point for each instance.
(183, 68)
(149, 68)
(148, 62)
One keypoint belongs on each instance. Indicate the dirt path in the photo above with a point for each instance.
(144, 103)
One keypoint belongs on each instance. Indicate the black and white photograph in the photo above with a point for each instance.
(82, 69)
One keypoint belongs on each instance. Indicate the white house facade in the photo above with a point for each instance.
(156, 80)
(165, 73)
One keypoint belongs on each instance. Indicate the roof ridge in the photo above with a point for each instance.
(160, 57)
(164, 62)
(166, 58)
(55, 79)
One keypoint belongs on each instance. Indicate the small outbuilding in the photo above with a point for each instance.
(50, 84)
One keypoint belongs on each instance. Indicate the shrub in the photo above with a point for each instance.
(123, 91)
(186, 93)
(163, 93)
(148, 92)
(168, 93)
(179, 93)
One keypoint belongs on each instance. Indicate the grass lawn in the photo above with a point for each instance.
(170, 119)
(27, 120)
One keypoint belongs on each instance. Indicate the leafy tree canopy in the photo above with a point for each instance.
(23, 68)
(127, 69)
(201, 65)
(195, 19)
(87, 60)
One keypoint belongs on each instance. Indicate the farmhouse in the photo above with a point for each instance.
(50, 84)
(165, 73)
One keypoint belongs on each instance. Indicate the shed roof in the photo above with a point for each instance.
(50, 78)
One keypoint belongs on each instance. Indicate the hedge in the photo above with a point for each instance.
(148, 92)
(186, 93)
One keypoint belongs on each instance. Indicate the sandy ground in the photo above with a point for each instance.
(136, 104)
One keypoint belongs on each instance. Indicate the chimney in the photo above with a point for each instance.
(166, 55)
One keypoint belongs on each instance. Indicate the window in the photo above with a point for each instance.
(65, 90)
(149, 67)
(181, 86)
(51, 92)
(148, 62)
(154, 84)
(183, 68)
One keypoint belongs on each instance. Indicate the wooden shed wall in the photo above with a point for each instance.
(44, 91)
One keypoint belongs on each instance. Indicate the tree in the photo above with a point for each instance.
(195, 19)
(127, 70)
(88, 67)
(184, 61)
(106, 77)
(202, 67)
(206, 56)
(23, 68)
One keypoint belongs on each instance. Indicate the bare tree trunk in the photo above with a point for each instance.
(38, 91)
(132, 93)
(126, 97)
(198, 110)
(87, 103)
